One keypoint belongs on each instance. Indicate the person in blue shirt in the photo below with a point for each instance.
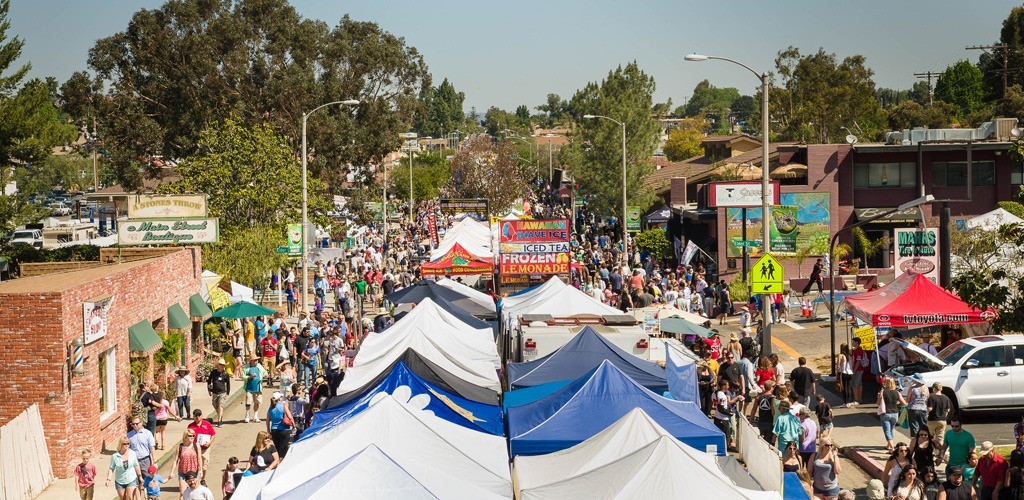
(280, 431)
(261, 328)
(151, 481)
(253, 374)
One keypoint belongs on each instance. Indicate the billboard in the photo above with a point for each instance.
(475, 207)
(740, 194)
(801, 221)
(168, 231)
(917, 252)
(169, 206)
(534, 231)
(534, 263)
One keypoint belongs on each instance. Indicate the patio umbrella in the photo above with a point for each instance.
(675, 324)
(243, 310)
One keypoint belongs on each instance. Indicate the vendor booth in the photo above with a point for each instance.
(458, 261)
(913, 301)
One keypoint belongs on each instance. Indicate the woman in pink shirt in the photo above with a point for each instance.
(163, 413)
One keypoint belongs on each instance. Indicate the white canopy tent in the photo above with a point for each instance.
(992, 220)
(249, 488)
(210, 280)
(632, 458)
(472, 293)
(446, 459)
(241, 293)
(428, 323)
(555, 298)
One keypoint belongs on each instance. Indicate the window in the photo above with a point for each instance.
(989, 356)
(1017, 172)
(880, 175)
(108, 383)
(1018, 354)
(954, 173)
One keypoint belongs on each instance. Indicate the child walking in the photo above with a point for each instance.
(151, 482)
(85, 476)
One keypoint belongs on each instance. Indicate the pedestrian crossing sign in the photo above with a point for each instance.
(766, 276)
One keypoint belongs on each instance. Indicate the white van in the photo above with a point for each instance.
(976, 373)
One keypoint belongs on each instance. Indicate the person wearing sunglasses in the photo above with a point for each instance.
(958, 442)
(142, 443)
(792, 462)
(922, 449)
(124, 467)
(194, 490)
(824, 469)
(898, 461)
(188, 459)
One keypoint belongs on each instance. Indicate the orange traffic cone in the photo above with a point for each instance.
(805, 308)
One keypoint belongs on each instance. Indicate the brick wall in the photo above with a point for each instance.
(37, 371)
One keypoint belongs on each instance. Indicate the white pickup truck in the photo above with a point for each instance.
(32, 237)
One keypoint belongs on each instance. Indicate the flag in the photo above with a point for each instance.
(689, 252)
(676, 246)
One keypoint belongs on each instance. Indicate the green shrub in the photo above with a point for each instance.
(738, 291)
(655, 242)
(1013, 207)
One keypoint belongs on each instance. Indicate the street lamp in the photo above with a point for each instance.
(831, 251)
(766, 207)
(305, 196)
(625, 247)
(551, 170)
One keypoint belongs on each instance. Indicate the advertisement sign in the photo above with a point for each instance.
(741, 194)
(866, 334)
(95, 314)
(559, 247)
(534, 263)
(808, 229)
(168, 232)
(432, 228)
(534, 231)
(688, 253)
(475, 207)
(169, 206)
(294, 239)
(917, 252)
(633, 215)
(219, 299)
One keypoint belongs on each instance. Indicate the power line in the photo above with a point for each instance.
(1006, 59)
(929, 75)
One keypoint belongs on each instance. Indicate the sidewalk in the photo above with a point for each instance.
(63, 489)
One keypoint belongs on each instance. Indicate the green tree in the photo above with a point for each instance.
(910, 114)
(442, 110)
(1012, 104)
(247, 254)
(497, 121)
(555, 108)
(251, 176)
(624, 95)
(655, 242)
(180, 68)
(961, 85)
(816, 95)
(713, 103)
(662, 109)
(684, 142)
(985, 273)
(429, 174)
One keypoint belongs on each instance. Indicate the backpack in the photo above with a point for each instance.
(750, 347)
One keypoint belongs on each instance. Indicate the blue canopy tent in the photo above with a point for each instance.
(580, 355)
(402, 380)
(593, 402)
(526, 395)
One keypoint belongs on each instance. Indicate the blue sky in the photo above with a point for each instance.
(510, 53)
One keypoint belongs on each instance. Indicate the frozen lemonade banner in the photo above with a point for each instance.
(798, 222)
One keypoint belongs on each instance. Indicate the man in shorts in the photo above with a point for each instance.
(861, 364)
(219, 386)
(253, 388)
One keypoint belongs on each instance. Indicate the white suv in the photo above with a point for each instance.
(976, 372)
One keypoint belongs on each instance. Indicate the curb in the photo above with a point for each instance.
(865, 462)
(167, 457)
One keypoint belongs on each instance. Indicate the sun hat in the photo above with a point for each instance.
(986, 448)
(221, 361)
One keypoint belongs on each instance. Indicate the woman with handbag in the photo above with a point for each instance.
(279, 423)
(889, 403)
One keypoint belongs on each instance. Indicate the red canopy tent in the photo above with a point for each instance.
(913, 301)
(458, 261)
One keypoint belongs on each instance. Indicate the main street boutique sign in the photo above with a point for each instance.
(168, 232)
(173, 206)
(917, 252)
(534, 231)
(534, 263)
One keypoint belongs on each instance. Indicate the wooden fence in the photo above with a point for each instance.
(26, 468)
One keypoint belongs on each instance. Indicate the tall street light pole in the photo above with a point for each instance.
(410, 187)
(766, 206)
(305, 200)
(625, 247)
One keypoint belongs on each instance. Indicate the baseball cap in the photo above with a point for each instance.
(276, 395)
(937, 386)
(986, 448)
(955, 470)
(190, 476)
(151, 469)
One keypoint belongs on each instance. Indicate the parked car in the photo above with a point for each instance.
(976, 372)
(60, 208)
(32, 237)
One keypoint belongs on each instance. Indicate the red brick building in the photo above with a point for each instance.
(41, 318)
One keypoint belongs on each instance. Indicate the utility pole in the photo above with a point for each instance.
(95, 158)
(1006, 59)
(929, 75)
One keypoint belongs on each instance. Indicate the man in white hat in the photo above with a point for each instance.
(990, 472)
(183, 390)
(219, 386)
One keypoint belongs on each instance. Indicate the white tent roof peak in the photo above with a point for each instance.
(555, 298)
(992, 220)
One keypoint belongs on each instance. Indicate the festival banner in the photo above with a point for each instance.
(534, 231)
(633, 216)
(534, 263)
(689, 252)
(558, 247)
(432, 228)
(807, 230)
(475, 207)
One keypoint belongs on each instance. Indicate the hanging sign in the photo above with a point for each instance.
(534, 263)
(917, 252)
(168, 232)
(534, 231)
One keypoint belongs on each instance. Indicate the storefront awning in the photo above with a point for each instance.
(197, 306)
(177, 319)
(143, 338)
(905, 216)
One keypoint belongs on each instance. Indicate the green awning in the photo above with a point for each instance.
(177, 319)
(142, 337)
(674, 324)
(197, 306)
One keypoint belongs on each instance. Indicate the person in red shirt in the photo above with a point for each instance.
(268, 346)
(85, 475)
(204, 435)
(861, 364)
(714, 346)
(990, 472)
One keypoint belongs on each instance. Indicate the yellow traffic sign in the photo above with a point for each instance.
(766, 275)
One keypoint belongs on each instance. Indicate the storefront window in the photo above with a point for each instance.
(881, 175)
(954, 173)
(108, 382)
